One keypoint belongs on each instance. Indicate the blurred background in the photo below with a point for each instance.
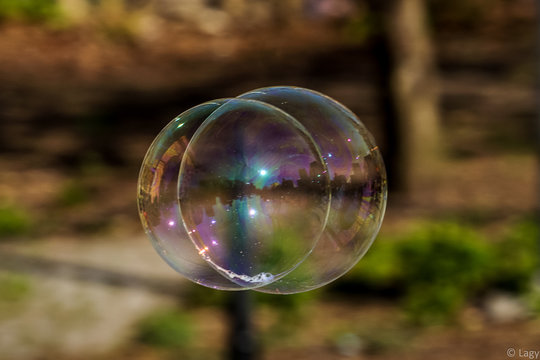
(448, 89)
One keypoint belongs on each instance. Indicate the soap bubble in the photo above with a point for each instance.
(358, 185)
(280, 190)
(157, 197)
(239, 194)
(219, 196)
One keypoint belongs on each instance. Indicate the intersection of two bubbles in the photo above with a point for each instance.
(279, 190)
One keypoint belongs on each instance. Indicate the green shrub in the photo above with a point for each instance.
(433, 304)
(13, 287)
(436, 268)
(13, 221)
(29, 10)
(73, 193)
(380, 268)
(533, 301)
(443, 265)
(445, 253)
(166, 329)
(289, 314)
(197, 295)
(517, 257)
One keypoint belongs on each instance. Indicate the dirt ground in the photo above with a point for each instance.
(382, 336)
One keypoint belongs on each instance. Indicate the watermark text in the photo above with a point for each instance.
(520, 353)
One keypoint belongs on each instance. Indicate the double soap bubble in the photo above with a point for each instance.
(280, 190)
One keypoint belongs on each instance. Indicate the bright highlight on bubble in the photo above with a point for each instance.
(280, 190)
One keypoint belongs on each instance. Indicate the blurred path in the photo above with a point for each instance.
(84, 296)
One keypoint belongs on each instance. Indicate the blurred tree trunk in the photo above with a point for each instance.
(408, 92)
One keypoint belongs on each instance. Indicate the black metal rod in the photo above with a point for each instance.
(242, 343)
(241, 337)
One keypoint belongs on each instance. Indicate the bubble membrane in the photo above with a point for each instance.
(358, 185)
(217, 194)
(239, 195)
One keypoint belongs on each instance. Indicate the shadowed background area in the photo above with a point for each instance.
(448, 90)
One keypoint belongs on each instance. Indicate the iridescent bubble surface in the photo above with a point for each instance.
(157, 198)
(239, 193)
(358, 185)
(279, 190)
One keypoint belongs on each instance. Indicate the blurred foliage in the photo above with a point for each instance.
(433, 304)
(445, 253)
(442, 265)
(73, 193)
(290, 306)
(358, 29)
(166, 329)
(517, 257)
(14, 220)
(424, 255)
(289, 316)
(13, 287)
(197, 295)
(378, 270)
(533, 301)
(438, 267)
(29, 10)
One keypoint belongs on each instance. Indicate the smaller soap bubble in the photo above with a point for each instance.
(157, 198)
(239, 194)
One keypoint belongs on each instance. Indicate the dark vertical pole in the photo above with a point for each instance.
(241, 338)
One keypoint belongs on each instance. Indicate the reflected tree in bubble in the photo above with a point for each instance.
(280, 190)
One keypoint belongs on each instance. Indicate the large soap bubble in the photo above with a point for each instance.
(280, 190)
